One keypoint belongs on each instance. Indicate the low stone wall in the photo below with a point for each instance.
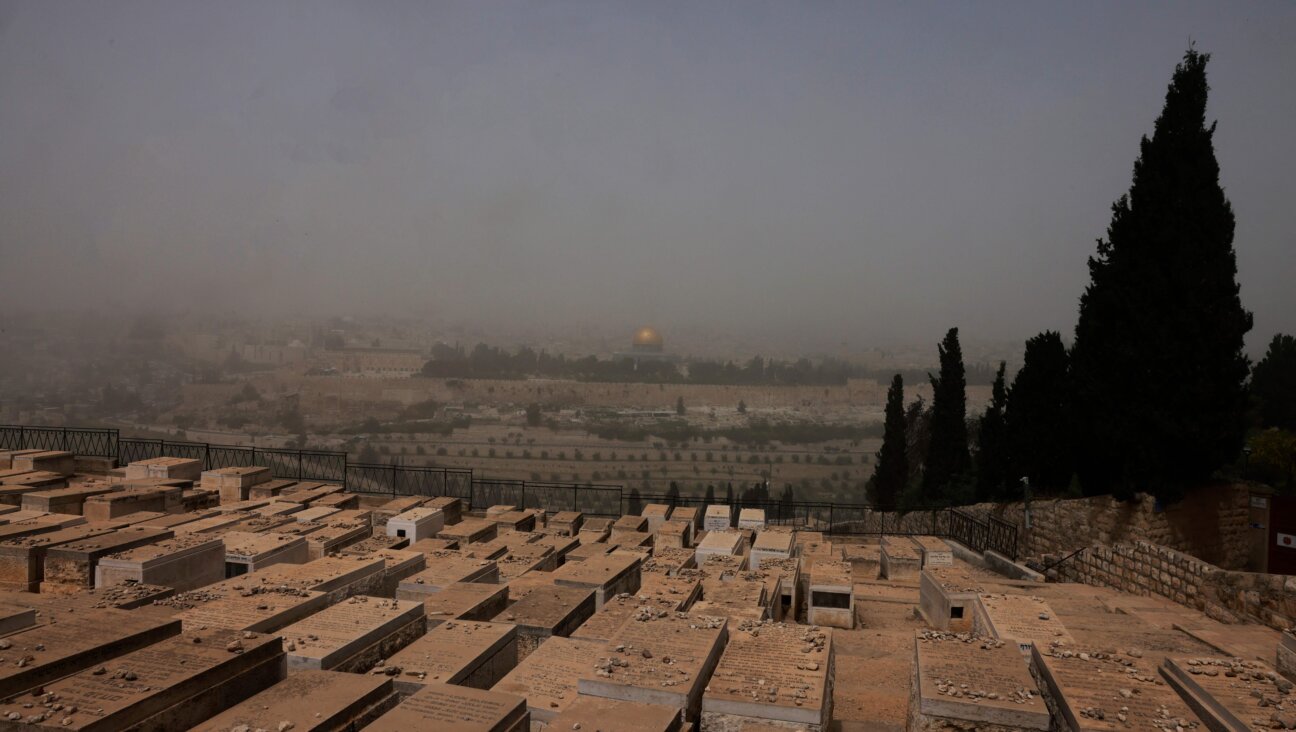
(1145, 568)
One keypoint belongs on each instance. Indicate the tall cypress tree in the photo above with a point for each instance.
(1038, 424)
(891, 474)
(1273, 382)
(947, 455)
(1158, 364)
(993, 461)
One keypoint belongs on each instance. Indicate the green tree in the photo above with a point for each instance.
(710, 494)
(891, 472)
(1158, 364)
(994, 461)
(634, 505)
(1273, 382)
(533, 415)
(948, 459)
(679, 405)
(742, 407)
(1039, 435)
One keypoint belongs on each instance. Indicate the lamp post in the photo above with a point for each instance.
(1026, 496)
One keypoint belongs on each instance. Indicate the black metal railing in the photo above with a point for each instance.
(840, 519)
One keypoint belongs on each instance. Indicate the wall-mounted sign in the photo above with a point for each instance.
(1287, 540)
(1259, 502)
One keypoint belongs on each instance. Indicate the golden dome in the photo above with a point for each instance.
(647, 336)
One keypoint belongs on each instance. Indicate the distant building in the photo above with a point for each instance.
(647, 345)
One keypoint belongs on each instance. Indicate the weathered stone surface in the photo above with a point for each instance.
(593, 713)
(606, 574)
(717, 518)
(65, 500)
(1024, 619)
(1093, 690)
(467, 653)
(899, 558)
(470, 530)
(446, 568)
(774, 672)
(832, 595)
(962, 679)
(73, 565)
(181, 563)
(466, 601)
(771, 545)
(258, 608)
(416, 524)
(353, 635)
(547, 611)
(1231, 693)
(456, 709)
(309, 701)
(548, 678)
(934, 551)
(22, 558)
(751, 518)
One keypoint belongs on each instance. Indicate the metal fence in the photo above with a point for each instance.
(839, 519)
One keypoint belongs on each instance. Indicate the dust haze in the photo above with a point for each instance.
(807, 175)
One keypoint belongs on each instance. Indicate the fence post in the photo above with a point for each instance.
(207, 465)
(393, 467)
(65, 442)
(299, 465)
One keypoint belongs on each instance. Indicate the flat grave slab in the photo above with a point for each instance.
(899, 558)
(751, 518)
(339, 576)
(212, 524)
(547, 611)
(450, 506)
(657, 514)
(467, 653)
(108, 506)
(431, 545)
(1093, 690)
(585, 551)
(469, 530)
(398, 566)
(771, 545)
(173, 684)
(561, 545)
(962, 679)
(465, 601)
(456, 709)
(595, 529)
(353, 635)
(336, 535)
(181, 563)
(309, 492)
(71, 566)
(664, 660)
(605, 623)
(526, 558)
(593, 713)
(309, 701)
(566, 523)
(606, 574)
(166, 468)
(64, 500)
(14, 618)
(628, 524)
(121, 596)
(22, 558)
(772, 672)
(7, 456)
(1025, 619)
(315, 513)
(270, 488)
(261, 609)
(446, 568)
(234, 483)
(948, 598)
(247, 552)
(691, 514)
(1230, 693)
(669, 561)
(865, 560)
(675, 534)
(248, 506)
(340, 500)
(70, 641)
(548, 678)
(934, 551)
(52, 461)
(682, 590)
(1287, 655)
(719, 542)
(515, 520)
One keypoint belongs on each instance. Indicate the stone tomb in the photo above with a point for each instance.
(717, 518)
(585, 551)
(7, 457)
(659, 660)
(526, 558)
(788, 572)
(339, 500)
(309, 701)
(270, 489)
(450, 708)
(235, 483)
(719, 542)
(1094, 690)
(656, 514)
(674, 534)
(335, 535)
(22, 558)
(1024, 619)
(566, 523)
(353, 635)
(770, 545)
(246, 552)
(608, 575)
(595, 530)
(416, 524)
(865, 560)
(899, 558)
(548, 677)
(68, 500)
(470, 530)
(832, 595)
(72, 566)
(313, 514)
(181, 563)
(78, 640)
(445, 568)
(752, 518)
(670, 561)
(547, 611)
(61, 462)
(467, 653)
(1230, 693)
(515, 520)
(465, 601)
(934, 551)
(772, 672)
(690, 514)
(593, 713)
(258, 609)
(340, 576)
(108, 506)
(427, 546)
(14, 618)
(970, 682)
(173, 684)
(166, 468)
(946, 599)
(309, 492)
(450, 506)
(560, 544)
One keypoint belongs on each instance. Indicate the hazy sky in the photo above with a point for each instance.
(845, 171)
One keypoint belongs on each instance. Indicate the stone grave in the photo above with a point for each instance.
(772, 672)
(656, 514)
(395, 506)
(1097, 690)
(561, 545)
(68, 500)
(594, 530)
(751, 518)
(548, 678)
(309, 701)
(22, 558)
(719, 542)
(1024, 619)
(467, 653)
(515, 520)
(275, 509)
(783, 586)
(689, 514)
(934, 551)
(66, 642)
(14, 618)
(340, 500)
(445, 568)
(270, 488)
(1232, 693)
(108, 506)
(739, 596)
(246, 552)
(416, 524)
(450, 507)
(899, 558)
(121, 596)
(547, 611)
(261, 609)
(608, 620)
(499, 509)
(770, 545)
(947, 598)
(607, 575)
(248, 506)
(314, 514)
(627, 525)
(962, 681)
(450, 708)
(173, 684)
(832, 595)
(61, 462)
(718, 517)
(865, 560)
(338, 576)
(38, 525)
(19, 483)
(670, 561)
(353, 635)
(72, 566)
(470, 530)
(638, 540)
(216, 524)
(566, 523)
(235, 483)
(659, 660)
(7, 456)
(165, 467)
(335, 535)
(593, 713)
(585, 551)
(181, 563)
(722, 565)
(465, 601)
(674, 534)
(526, 558)
(427, 546)
(309, 492)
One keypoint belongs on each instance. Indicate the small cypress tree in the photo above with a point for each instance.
(634, 506)
(673, 495)
(891, 473)
(993, 460)
(948, 459)
(1158, 364)
(710, 494)
(1039, 435)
